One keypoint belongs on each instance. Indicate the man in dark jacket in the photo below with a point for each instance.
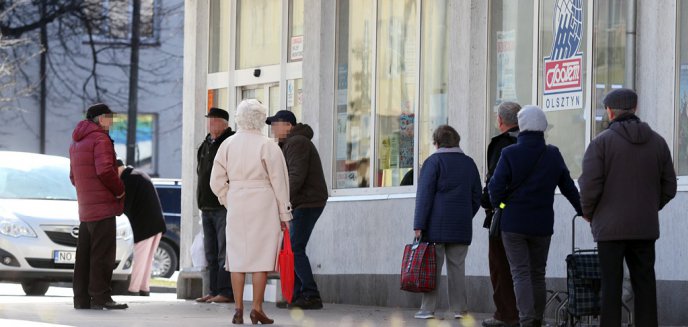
(628, 176)
(308, 196)
(213, 214)
(142, 207)
(100, 194)
(506, 313)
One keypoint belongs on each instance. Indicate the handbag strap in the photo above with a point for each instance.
(286, 241)
(511, 192)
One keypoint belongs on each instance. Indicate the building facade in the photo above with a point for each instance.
(374, 78)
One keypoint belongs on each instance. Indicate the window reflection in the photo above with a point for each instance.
(682, 92)
(258, 42)
(396, 90)
(610, 54)
(355, 64)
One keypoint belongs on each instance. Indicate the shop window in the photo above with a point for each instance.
(111, 20)
(218, 45)
(434, 69)
(354, 91)
(510, 56)
(562, 74)
(146, 140)
(609, 56)
(259, 33)
(377, 88)
(681, 155)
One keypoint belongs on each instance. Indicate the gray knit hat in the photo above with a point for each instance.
(532, 118)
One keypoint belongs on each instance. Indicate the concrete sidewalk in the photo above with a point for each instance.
(55, 309)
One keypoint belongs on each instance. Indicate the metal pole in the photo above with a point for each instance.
(629, 72)
(133, 83)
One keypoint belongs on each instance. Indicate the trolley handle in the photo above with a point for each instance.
(573, 233)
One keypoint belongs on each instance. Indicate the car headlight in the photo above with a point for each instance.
(124, 229)
(14, 227)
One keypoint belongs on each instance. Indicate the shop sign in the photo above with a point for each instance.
(563, 84)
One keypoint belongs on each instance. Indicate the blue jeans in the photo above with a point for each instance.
(214, 241)
(301, 228)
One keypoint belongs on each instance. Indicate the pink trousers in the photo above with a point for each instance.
(143, 263)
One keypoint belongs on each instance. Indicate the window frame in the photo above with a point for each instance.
(682, 180)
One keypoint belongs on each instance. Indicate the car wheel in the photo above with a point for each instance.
(164, 261)
(35, 287)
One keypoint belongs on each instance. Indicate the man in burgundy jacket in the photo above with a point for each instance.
(100, 194)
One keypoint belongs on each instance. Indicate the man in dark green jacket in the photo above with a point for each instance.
(308, 196)
(628, 176)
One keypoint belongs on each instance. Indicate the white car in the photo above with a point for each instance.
(39, 223)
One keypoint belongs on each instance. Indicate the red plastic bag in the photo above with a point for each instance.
(285, 266)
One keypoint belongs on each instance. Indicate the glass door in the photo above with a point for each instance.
(268, 94)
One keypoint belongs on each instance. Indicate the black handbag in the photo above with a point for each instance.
(496, 224)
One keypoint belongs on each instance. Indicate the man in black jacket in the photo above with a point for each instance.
(213, 214)
(308, 196)
(506, 313)
(142, 207)
(628, 176)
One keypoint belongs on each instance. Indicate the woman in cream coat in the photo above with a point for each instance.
(250, 179)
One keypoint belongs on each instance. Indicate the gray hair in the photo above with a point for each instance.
(251, 115)
(508, 111)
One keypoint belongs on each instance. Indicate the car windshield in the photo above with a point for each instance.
(29, 179)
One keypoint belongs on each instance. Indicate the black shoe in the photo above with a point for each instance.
(130, 293)
(282, 304)
(144, 293)
(110, 305)
(81, 306)
(307, 303)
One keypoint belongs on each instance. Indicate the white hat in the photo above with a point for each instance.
(532, 118)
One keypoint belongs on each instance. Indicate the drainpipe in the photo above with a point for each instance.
(629, 72)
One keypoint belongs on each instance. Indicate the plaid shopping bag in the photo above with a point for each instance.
(583, 282)
(419, 267)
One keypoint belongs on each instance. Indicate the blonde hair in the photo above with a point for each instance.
(251, 115)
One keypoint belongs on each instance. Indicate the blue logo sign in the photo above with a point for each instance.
(567, 29)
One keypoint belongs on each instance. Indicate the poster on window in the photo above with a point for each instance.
(506, 66)
(297, 47)
(563, 68)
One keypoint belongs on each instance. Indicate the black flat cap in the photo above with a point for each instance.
(623, 99)
(218, 113)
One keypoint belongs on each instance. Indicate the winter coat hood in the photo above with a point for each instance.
(84, 128)
(303, 130)
(632, 129)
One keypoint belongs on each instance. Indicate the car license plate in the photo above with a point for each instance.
(64, 256)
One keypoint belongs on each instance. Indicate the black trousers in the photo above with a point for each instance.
(502, 283)
(640, 258)
(95, 260)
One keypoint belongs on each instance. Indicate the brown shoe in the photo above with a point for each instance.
(221, 299)
(204, 299)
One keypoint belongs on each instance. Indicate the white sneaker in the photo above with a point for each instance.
(460, 315)
(422, 314)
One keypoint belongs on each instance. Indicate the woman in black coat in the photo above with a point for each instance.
(142, 207)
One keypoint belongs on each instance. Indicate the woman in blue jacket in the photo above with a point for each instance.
(534, 170)
(447, 198)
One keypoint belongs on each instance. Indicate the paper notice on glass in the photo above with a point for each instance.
(297, 47)
(341, 144)
(290, 93)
